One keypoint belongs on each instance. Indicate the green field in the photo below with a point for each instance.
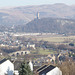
(41, 51)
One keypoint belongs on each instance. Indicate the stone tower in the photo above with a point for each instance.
(37, 15)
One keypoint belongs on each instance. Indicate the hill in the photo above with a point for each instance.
(20, 16)
(48, 25)
(24, 14)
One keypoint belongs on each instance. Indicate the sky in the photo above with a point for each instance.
(12, 3)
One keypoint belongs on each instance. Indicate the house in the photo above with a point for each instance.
(49, 70)
(6, 67)
(31, 65)
(16, 72)
(52, 56)
(17, 65)
(31, 45)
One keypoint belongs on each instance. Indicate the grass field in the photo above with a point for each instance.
(41, 51)
(57, 39)
(46, 52)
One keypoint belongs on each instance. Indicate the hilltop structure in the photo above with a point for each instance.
(38, 15)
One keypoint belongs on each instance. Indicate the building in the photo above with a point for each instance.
(31, 45)
(16, 72)
(37, 15)
(31, 65)
(49, 70)
(6, 67)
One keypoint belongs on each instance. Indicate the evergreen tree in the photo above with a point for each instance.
(25, 69)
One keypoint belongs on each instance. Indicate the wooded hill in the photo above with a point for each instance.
(24, 14)
(48, 25)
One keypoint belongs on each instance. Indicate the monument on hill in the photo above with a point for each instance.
(37, 15)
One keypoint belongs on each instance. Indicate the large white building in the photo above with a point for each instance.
(49, 70)
(6, 67)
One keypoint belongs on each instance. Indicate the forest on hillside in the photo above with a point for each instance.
(48, 25)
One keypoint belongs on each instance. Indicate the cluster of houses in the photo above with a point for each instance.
(9, 39)
(51, 58)
(7, 68)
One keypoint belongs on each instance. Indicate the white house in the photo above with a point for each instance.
(55, 71)
(49, 70)
(16, 72)
(31, 45)
(6, 67)
(31, 65)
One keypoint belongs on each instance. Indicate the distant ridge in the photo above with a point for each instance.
(20, 16)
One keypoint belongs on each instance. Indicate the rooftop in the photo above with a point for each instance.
(44, 69)
(3, 60)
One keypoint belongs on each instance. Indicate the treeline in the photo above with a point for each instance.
(10, 49)
(48, 45)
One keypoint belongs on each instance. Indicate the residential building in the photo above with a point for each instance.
(6, 67)
(49, 70)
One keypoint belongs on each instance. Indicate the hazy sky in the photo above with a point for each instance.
(7, 3)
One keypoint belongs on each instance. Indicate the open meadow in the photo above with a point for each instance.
(57, 39)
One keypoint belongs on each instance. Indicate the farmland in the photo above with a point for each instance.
(57, 39)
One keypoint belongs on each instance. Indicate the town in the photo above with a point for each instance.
(38, 49)
(37, 37)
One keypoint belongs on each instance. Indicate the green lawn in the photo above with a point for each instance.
(43, 52)
(46, 52)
